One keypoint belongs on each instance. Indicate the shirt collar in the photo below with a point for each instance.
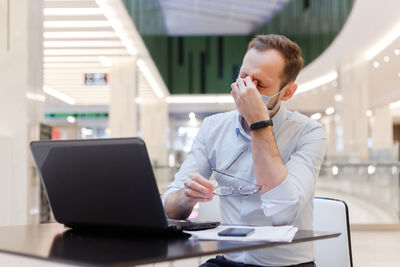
(277, 120)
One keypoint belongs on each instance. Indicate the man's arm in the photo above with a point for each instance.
(268, 166)
(190, 186)
(179, 204)
(286, 188)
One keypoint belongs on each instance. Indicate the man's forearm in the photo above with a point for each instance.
(268, 166)
(177, 206)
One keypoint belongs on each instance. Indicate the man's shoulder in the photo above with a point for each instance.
(223, 117)
(302, 121)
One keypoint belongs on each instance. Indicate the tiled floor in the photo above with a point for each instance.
(376, 249)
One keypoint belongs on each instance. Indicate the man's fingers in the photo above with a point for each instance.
(241, 85)
(196, 196)
(248, 81)
(195, 186)
(201, 180)
(235, 90)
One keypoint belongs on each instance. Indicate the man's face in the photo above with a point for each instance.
(265, 69)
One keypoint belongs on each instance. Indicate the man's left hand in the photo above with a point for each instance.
(248, 100)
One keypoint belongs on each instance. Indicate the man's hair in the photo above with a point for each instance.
(290, 51)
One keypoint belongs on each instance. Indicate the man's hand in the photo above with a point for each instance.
(179, 204)
(249, 101)
(198, 189)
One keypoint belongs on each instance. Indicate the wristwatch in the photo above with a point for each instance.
(260, 124)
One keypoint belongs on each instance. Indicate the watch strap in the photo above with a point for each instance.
(260, 124)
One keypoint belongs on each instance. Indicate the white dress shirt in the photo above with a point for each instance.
(222, 144)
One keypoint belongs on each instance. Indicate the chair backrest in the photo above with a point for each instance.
(331, 215)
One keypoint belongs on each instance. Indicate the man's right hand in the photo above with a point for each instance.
(198, 189)
(179, 204)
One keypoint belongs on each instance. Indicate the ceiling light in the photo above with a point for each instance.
(71, 11)
(150, 78)
(70, 59)
(338, 98)
(329, 111)
(105, 61)
(335, 170)
(72, 65)
(55, 44)
(76, 23)
(396, 52)
(383, 43)
(398, 74)
(77, 52)
(386, 59)
(57, 94)
(394, 105)
(316, 116)
(201, 99)
(36, 97)
(371, 169)
(71, 119)
(193, 120)
(77, 35)
(375, 64)
(327, 78)
(117, 25)
(192, 115)
(368, 113)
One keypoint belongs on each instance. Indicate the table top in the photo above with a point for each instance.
(55, 242)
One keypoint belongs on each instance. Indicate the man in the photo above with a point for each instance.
(282, 157)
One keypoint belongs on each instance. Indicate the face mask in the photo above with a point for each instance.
(266, 100)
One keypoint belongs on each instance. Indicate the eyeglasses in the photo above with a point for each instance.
(227, 190)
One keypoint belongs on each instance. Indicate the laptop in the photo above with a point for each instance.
(104, 183)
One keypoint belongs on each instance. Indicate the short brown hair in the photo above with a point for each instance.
(290, 51)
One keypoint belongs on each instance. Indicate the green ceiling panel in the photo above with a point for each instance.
(209, 64)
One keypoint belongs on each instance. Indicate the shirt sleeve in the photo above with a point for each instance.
(196, 161)
(283, 203)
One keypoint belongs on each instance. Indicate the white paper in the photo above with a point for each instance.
(261, 233)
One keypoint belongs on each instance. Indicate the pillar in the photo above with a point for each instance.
(21, 108)
(351, 105)
(123, 86)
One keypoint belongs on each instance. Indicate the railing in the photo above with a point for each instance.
(376, 183)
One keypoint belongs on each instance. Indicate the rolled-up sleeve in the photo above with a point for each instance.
(283, 203)
(196, 161)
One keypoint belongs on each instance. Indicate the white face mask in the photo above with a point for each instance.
(266, 100)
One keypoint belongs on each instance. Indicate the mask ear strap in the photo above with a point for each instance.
(283, 88)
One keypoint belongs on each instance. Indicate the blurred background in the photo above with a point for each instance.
(74, 69)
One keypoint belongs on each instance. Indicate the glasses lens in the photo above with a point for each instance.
(223, 190)
(248, 190)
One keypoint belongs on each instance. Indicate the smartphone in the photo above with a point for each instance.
(236, 232)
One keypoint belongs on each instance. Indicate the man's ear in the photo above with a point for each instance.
(289, 92)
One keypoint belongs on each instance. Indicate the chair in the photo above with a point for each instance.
(331, 215)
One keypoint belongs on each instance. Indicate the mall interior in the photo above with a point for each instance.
(86, 69)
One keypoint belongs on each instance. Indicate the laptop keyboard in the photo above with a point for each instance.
(189, 225)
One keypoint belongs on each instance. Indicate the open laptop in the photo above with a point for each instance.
(104, 183)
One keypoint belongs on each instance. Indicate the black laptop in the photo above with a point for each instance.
(104, 183)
